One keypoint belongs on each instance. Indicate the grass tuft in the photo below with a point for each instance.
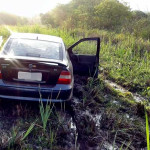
(147, 130)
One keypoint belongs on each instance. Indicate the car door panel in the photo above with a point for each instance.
(85, 65)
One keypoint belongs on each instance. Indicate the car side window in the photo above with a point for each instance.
(86, 47)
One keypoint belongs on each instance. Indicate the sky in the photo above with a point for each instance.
(30, 8)
(143, 5)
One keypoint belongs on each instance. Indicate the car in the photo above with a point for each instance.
(37, 66)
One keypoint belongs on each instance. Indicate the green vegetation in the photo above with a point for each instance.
(5, 33)
(45, 113)
(125, 34)
(121, 117)
(124, 57)
(109, 15)
(147, 131)
(125, 51)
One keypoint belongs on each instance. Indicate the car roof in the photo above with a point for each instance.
(35, 36)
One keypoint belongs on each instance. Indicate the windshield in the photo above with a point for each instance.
(34, 48)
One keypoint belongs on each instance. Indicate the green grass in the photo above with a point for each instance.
(63, 33)
(5, 33)
(45, 113)
(124, 57)
(28, 131)
(147, 130)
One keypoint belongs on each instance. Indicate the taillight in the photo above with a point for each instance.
(64, 78)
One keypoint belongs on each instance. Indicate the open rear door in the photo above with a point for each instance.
(84, 56)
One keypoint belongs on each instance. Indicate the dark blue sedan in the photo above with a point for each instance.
(34, 66)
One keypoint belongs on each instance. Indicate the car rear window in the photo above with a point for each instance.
(34, 48)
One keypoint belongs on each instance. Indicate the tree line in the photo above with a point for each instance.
(99, 14)
(89, 14)
(10, 19)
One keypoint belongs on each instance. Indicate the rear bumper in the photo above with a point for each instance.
(57, 94)
(31, 99)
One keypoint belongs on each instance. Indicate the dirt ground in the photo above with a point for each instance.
(94, 119)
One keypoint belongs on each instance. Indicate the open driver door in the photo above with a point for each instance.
(85, 64)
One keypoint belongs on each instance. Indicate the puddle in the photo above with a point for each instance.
(136, 97)
(72, 125)
(116, 102)
(108, 146)
(116, 86)
(96, 118)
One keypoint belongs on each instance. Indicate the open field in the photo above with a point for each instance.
(87, 122)
(124, 58)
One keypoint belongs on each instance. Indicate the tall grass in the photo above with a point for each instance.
(147, 130)
(124, 57)
(17, 137)
(4, 33)
(45, 113)
(28, 131)
(63, 33)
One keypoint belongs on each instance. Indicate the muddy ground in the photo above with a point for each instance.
(94, 119)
